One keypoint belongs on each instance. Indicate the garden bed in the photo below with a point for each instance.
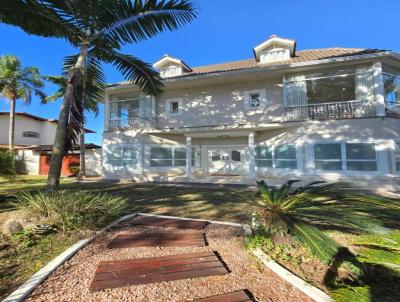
(71, 281)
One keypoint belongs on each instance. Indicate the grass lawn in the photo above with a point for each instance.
(19, 263)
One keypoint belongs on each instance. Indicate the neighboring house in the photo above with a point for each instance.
(329, 114)
(34, 138)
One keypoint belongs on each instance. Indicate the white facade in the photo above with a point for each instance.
(332, 119)
(25, 125)
(32, 132)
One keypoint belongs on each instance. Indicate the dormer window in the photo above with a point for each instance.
(171, 67)
(275, 49)
(171, 71)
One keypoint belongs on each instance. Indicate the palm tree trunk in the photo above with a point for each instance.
(11, 128)
(75, 76)
(82, 163)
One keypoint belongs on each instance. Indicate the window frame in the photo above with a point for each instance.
(320, 74)
(394, 161)
(173, 158)
(274, 160)
(388, 74)
(262, 100)
(345, 170)
(168, 106)
(328, 160)
(171, 71)
(121, 166)
(35, 134)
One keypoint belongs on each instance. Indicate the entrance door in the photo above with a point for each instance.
(225, 161)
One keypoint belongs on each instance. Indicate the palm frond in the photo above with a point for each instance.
(44, 18)
(134, 70)
(319, 243)
(94, 83)
(133, 21)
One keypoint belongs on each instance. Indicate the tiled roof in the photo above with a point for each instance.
(47, 147)
(38, 118)
(50, 147)
(301, 56)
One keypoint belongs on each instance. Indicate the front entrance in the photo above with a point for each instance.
(225, 161)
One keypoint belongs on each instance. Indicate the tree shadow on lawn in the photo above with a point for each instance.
(380, 283)
(213, 204)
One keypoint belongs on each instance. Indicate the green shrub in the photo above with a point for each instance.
(7, 167)
(71, 210)
(74, 168)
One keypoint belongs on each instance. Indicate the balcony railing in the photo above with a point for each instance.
(136, 123)
(392, 109)
(325, 111)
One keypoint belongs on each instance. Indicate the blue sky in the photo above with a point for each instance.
(226, 30)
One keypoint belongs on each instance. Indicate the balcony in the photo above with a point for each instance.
(136, 123)
(326, 111)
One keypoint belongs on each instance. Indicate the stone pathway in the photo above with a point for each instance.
(72, 281)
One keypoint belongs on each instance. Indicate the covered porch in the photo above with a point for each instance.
(224, 155)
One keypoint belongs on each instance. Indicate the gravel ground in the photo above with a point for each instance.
(71, 281)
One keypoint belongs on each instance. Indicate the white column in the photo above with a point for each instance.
(379, 89)
(252, 156)
(107, 114)
(188, 157)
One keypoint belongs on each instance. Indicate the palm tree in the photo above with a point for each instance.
(93, 95)
(98, 29)
(18, 83)
(303, 211)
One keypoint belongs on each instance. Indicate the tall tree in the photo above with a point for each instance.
(18, 83)
(98, 29)
(93, 95)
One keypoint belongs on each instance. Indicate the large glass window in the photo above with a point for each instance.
(331, 89)
(132, 112)
(124, 109)
(281, 157)
(328, 156)
(392, 88)
(169, 157)
(122, 156)
(397, 156)
(361, 157)
(264, 157)
(345, 156)
(330, 86)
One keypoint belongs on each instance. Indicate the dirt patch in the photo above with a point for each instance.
(71, 281)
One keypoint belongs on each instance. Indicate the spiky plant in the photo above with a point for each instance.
(304, 211)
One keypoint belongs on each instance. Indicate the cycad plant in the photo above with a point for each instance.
(304, 211)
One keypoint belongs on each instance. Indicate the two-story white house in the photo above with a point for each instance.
(34, 138)
(329, 114)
